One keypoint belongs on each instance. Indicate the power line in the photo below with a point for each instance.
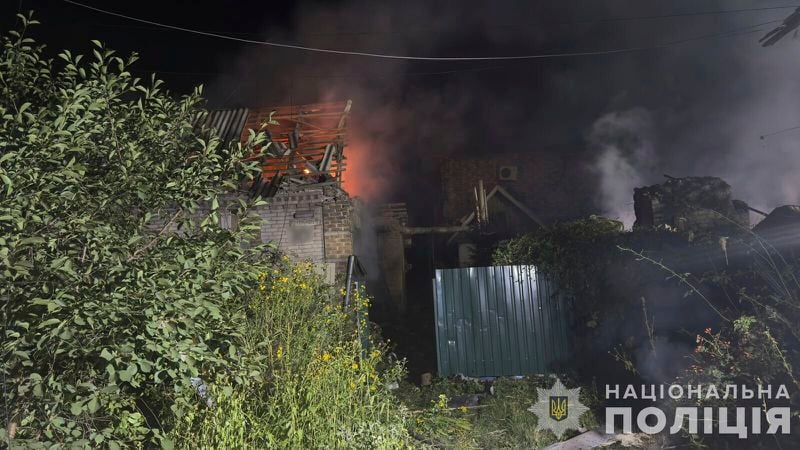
(731, 33)
(571, 22)
(764, 136)
(402, 57)
(696, 13)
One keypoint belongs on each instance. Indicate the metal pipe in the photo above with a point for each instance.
(433, 230)
(757, 211)
(351, 262)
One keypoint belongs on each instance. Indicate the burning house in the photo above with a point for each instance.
(306, 214)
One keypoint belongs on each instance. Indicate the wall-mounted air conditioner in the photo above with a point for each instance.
(508, 173)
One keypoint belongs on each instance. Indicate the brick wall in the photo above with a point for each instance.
(293, 222)
(338, 232)
(551, 184)
(309, 225)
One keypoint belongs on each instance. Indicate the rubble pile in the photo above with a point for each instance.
(690, 204)
(781, 228)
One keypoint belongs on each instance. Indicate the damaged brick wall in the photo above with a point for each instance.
(309, 225)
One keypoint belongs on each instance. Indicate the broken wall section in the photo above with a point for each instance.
(690, 204)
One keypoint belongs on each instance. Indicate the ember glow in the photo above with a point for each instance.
(362, 177)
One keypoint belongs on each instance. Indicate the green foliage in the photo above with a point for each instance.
(130, 317)
(759, 346)
(576, 254)
(320, 386)
(107, 312)
(757, 340)
(501, 420)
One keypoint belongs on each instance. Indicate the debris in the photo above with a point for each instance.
(780, 217)
(202, 390)
(690, 205)
(426, 379)
(468, 400)
(596, 439)
(587, 440)
(723, 244)
(305, 143)
(781, 228)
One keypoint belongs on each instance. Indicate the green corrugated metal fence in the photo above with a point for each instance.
(498, 321)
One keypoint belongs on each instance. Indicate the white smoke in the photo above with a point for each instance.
(626, 158)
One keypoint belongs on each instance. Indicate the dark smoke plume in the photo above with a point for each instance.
(694, 108)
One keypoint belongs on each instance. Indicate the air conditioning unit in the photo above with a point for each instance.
(508, 173)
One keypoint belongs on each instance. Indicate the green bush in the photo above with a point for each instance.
(108, 313)
(501, 420)
(130, 318)
(576, 255)
(321, 387)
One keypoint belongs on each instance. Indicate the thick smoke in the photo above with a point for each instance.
(627, 158)
(694, 108)
(708, 100)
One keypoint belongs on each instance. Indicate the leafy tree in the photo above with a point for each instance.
(117, 283)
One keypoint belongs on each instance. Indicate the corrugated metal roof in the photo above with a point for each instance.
(229, 123)
(498, 321)
(308, 142)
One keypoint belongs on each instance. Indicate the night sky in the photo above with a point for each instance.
(693, 101)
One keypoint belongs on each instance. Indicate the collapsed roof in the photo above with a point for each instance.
(306, 143)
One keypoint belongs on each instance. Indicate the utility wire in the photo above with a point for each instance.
(731, 33)
(764, 136)
(690, 14)
(505, 26)
(398, 57)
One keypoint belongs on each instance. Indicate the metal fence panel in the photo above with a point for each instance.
(498, 321)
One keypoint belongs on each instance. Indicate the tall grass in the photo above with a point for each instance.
(318, 385)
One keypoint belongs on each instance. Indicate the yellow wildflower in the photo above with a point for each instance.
(442, 403)
(326, 356)
(355, 366)
(375, 353)
(463, 409)
(279, 353)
